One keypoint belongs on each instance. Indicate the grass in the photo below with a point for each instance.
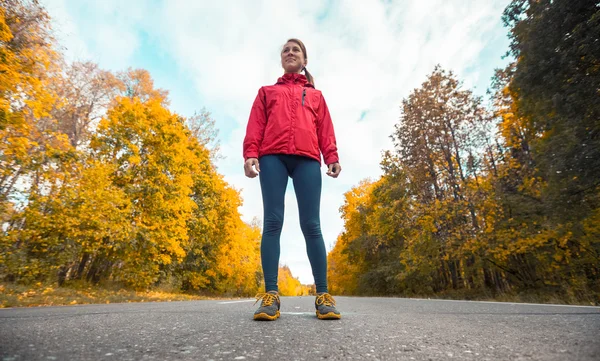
(522, 297)
(549, 298)
(531, 296)
(15, 295)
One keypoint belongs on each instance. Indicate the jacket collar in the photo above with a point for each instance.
(294, 78)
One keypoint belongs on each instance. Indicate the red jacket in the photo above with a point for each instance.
(290, 117)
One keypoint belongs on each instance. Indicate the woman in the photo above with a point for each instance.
(288, 129)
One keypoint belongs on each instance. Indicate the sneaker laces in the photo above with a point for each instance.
(267, 298)
(325, 299)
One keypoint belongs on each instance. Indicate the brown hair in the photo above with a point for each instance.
(309, 77)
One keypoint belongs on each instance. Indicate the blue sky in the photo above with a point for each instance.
(366, 56)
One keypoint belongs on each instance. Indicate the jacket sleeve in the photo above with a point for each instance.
(326, 134)
(256, 126)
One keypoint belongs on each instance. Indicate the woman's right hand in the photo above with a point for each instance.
(248, 167)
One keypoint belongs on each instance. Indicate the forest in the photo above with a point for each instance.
(102, 183)
(481, 201)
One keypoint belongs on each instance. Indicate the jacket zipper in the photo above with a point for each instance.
(303, 94)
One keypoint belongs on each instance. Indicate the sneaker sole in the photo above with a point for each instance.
(264, 317)
(328, 316)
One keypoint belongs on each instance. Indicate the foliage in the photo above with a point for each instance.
(490, 203)
(100, 182)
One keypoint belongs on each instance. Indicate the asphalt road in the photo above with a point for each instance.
(370, 329)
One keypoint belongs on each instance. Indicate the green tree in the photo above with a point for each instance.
(555, 85)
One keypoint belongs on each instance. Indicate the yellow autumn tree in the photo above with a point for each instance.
(222, 254)
(288, 285)
(237, 264)
(342, 275)
(153, 165)
(100, 181)
(27, 60)
(35, 159)
(347, 259)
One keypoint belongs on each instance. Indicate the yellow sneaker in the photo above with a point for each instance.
(269, 306)
(325, 305)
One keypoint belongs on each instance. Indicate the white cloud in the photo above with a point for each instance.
(67, 34)
(365, 56)
(101, 31)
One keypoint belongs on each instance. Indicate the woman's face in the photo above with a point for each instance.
(292, 58)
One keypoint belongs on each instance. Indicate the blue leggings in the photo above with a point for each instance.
(306, 175)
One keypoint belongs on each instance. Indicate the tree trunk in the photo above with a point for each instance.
(82, 264)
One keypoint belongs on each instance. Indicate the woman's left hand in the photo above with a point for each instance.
(334, 170)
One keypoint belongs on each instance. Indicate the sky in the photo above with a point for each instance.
(366, 56)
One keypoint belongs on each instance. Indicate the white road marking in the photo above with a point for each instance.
(297, 313)
(227, 302)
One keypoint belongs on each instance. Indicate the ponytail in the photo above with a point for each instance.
(309, 76)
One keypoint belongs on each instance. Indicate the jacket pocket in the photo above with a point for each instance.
(306, 140)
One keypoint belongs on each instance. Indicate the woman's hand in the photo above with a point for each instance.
(334, 170)
(248, 167)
